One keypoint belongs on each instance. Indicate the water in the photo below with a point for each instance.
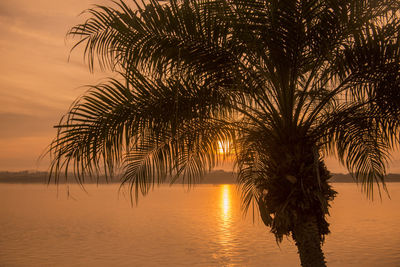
(172, 227)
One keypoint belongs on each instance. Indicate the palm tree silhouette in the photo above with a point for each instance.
(284, 82)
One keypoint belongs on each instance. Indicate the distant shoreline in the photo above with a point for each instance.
(214, 177)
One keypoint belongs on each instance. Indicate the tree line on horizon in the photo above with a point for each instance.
(214, 177)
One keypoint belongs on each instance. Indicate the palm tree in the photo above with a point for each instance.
(285, 82)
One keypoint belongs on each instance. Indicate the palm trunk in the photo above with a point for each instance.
(308, 242)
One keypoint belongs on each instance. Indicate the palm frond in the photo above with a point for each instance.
(186, 155)
(110, 118)
(361, 144)
(158, 38)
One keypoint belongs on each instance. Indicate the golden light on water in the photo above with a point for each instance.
(225, 231)
(226, 202)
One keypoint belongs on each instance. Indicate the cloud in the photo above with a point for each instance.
(37, 83)
(22, 153)
(20, 125)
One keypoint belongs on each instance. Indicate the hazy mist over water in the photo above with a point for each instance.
(173, 227)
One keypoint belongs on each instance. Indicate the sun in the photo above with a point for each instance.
(223, 147)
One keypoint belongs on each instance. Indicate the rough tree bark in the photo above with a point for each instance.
(308, 242)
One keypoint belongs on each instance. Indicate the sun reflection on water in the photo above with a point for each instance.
(225, 231)
(226, 203)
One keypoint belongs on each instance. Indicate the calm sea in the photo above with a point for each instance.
(43, 226)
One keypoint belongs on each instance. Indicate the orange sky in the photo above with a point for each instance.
(37, 83)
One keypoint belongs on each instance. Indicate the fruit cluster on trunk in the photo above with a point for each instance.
(294, 198)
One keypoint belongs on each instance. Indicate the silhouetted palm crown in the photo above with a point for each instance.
(285, 82)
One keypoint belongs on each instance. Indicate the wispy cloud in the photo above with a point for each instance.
(37, 83)
(20, 125)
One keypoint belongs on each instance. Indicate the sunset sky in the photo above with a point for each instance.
(38, 83)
